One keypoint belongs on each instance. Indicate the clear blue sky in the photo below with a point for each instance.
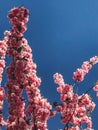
(62, 34)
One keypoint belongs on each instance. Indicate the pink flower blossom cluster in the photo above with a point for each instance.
(79, 74)
(75, 110)
(3, 49)
(22, 77)
(95, 88)
(33, 112)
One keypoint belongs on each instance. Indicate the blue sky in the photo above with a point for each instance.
(62, 34)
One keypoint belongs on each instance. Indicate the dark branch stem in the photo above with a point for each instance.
(88, 90)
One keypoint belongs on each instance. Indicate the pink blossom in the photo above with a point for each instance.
(1, 105)
(95, 88)
(2, 95)
(2, 63)
(79, 75)
(58, 79)
(52, 113)
(86, 66)
(94, 60)
(58, 108)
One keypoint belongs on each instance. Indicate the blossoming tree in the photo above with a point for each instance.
(21, 74)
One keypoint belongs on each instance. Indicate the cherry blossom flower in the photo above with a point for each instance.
(79, 75)
(95, 88)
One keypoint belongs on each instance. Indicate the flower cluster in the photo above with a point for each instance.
(75, 110)
(79, 74)
(95, 88)
(3, 49)
(86, 66)
(22, 76)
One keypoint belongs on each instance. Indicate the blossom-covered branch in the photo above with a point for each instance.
(22, 76)
(75, 110)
